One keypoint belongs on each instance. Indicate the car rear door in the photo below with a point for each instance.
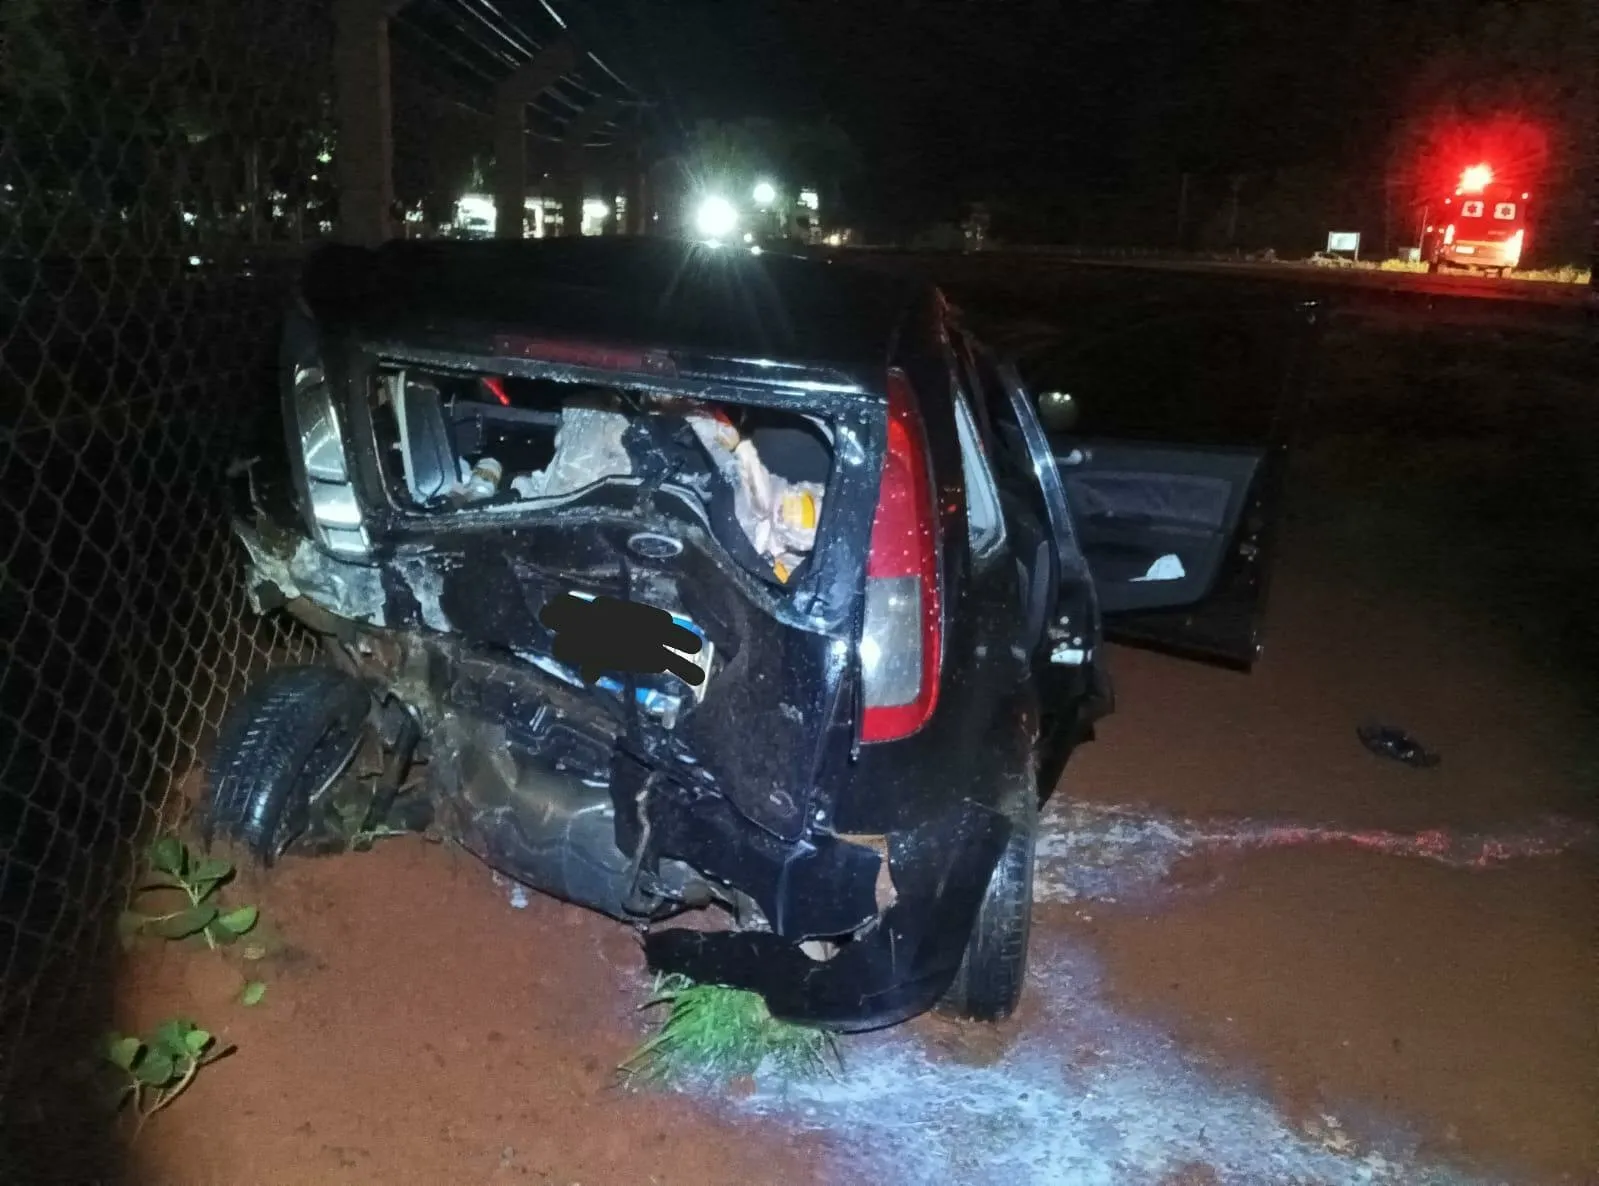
(1169, 421)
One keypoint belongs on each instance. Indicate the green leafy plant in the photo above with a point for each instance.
(718, 1032)
(175, 870)
(159, 1067)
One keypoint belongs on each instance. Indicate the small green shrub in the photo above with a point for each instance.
(712, 1031)
(159, 1067)
(174, 870)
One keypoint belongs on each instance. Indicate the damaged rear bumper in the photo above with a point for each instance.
(896, 968)
(555, 787)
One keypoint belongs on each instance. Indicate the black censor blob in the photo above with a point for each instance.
(609, 634)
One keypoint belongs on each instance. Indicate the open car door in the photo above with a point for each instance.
(1169, 423)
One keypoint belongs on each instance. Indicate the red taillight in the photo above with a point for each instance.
(902, 632)
(496, 387)
(1513, 247)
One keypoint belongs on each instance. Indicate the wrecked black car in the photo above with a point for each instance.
(667, 578)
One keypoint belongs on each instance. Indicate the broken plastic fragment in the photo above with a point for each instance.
(1387, 741)
(1168, 568)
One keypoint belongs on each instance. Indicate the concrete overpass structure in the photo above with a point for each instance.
(557, 108)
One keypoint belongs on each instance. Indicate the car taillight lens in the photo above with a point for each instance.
(314, 415)
(336, 518)
(902, 631)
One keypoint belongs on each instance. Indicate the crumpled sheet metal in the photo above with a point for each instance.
(343, 588)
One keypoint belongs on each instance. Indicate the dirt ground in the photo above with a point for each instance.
(1261, 954)
(417, 1029)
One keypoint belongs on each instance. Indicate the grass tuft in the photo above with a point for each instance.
(715, 1032)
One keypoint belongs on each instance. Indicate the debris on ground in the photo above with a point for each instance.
(516, 892)
(1387, 741)
(1089, 852)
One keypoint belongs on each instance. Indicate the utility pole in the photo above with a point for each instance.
(1236, 185)
(1182, 207)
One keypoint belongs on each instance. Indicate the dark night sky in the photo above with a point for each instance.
(967, 98)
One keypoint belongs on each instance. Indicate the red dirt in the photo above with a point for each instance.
(1462, 1003)
(417, 1029)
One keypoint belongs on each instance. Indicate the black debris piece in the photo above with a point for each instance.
(1388, 741)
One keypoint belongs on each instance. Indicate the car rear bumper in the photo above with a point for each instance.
(1480, 255)
(890, 971)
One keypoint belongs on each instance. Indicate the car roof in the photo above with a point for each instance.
(729, 301)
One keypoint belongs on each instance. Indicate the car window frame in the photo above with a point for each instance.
(985, 540)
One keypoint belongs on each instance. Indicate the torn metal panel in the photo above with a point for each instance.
(425, 576)
(298, 568)
(883, 975)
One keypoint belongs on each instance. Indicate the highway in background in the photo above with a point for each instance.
(1038, 278)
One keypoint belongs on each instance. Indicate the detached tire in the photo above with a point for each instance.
(988, 985)
(280, 747)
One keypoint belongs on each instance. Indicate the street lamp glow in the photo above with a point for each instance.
(715, 218)
(765, 193)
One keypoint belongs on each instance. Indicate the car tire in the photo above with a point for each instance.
(280, 747)
(988, 985)
(1433, 267)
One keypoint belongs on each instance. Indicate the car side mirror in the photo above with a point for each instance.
(1057, 411)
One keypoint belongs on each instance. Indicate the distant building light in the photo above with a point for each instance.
(765, 193)
(476, 211)
(810, 199)
(324, 156)
(189, 217)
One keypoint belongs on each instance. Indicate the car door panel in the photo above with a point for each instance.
(1155, 524)
(1212, 509)
(1174, 472)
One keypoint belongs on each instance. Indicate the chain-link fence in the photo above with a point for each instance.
(162, 163)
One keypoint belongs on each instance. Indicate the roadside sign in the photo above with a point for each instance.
(1341, 242)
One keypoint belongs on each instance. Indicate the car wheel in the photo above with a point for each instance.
(988, 985)
(279, 749)
(1433, 267)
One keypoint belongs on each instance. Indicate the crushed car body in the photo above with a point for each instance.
(505, 464)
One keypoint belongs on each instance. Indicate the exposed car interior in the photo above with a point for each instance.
(448, 441)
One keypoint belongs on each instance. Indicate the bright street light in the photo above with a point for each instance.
(715, 218)
(765, 193)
